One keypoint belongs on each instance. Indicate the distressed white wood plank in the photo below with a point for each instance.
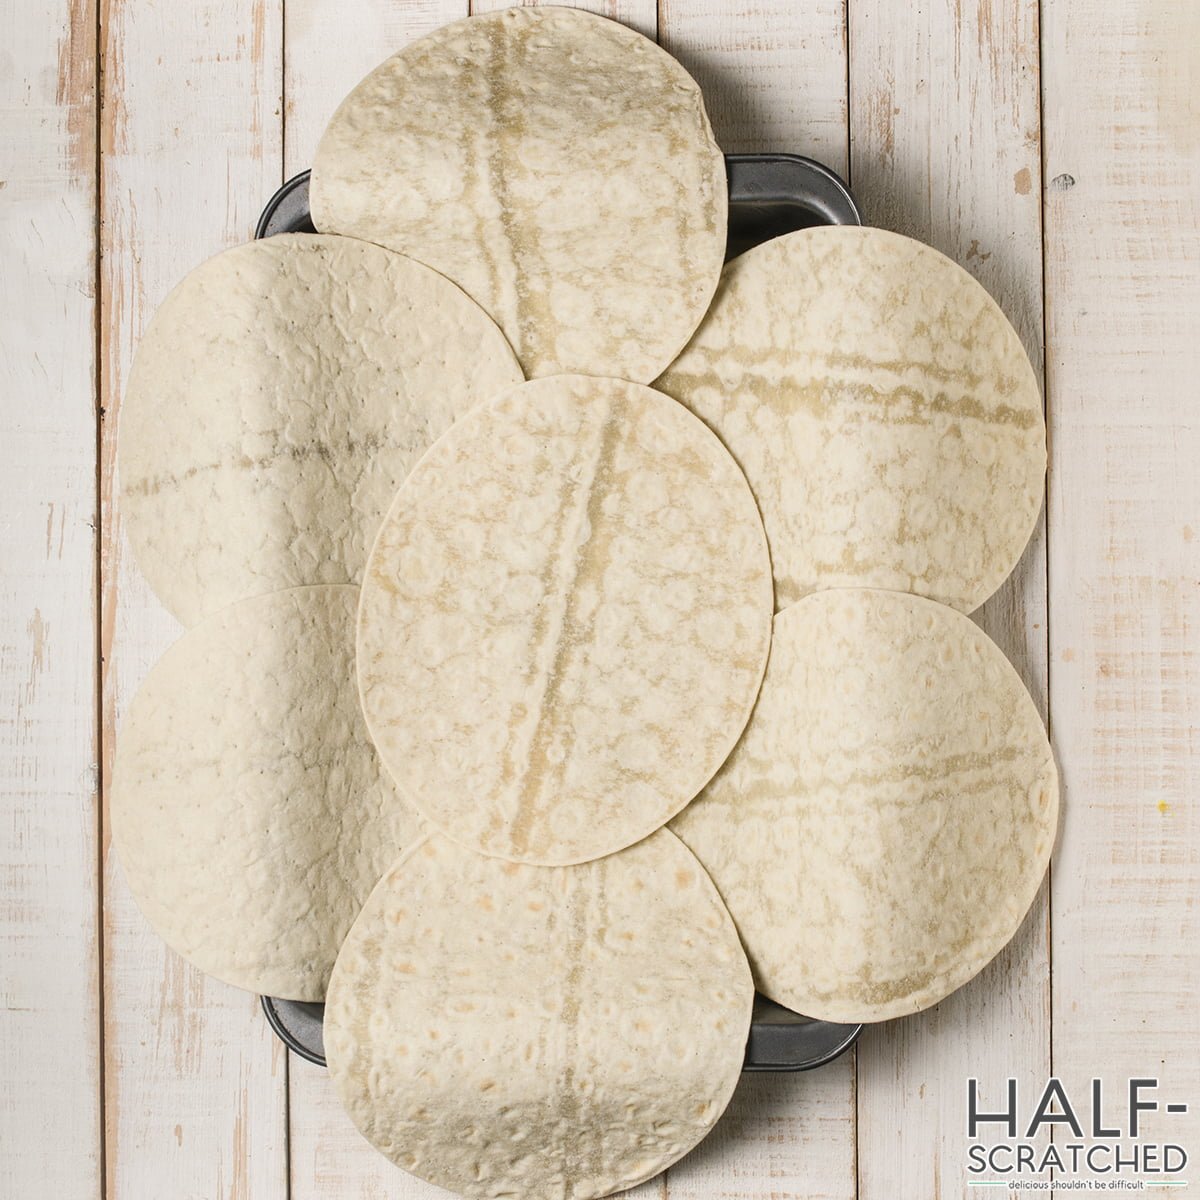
(49, 830)
(774, 79)
(641, 15)
(328, 48)
(329, 1157)
(787, 1137)
(945, 147)
(1122, 126)
(773, 72)
(195, 1084)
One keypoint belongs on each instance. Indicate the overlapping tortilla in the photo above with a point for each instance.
(566, 1033)
(564, 620)
(882, 408)
(249, 809)
(882, 829)
(557, 166)
(278, 398)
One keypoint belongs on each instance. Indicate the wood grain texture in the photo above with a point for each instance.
(329, 1157)
(787, 1137)
(190, 137)
(1123, 310)
(773, 72)
(328, 48)
(945, 147)
(49, 831)
(641, 15)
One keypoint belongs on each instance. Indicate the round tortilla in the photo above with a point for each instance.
(884, 825)
(564, 620)
(506, 1030)
(278, 398)
(249, 809)
(557, 166)
(882, 408)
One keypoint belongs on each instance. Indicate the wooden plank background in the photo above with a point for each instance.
(1052, 148)
(1122, 213)
(49, 833)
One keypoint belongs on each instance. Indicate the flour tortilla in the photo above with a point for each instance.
(278, 398)
(884, 825)
(882, 408)
(565, 620)
(505, 1030)
(557, 166)
(249, 810)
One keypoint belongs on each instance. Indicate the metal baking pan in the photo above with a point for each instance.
(769, 195)
(779, 1040)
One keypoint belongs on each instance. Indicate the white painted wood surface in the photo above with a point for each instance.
(49, 805)
(1123, 375)
(641, 15)
(773, 72)
(943, 116)
(195, 1085)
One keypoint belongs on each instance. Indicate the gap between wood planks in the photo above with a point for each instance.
(98, 375)
(1048, 885)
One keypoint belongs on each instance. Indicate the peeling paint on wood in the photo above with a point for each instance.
(1122, 307)
(773, 72)
(49, 952)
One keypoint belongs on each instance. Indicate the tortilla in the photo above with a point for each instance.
(278, 398)
(884, 825)
(505, 1030)
(882, 408)
(557, 166)
(249, 808)
(565, 620)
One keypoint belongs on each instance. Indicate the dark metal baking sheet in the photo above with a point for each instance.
(769, 195)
